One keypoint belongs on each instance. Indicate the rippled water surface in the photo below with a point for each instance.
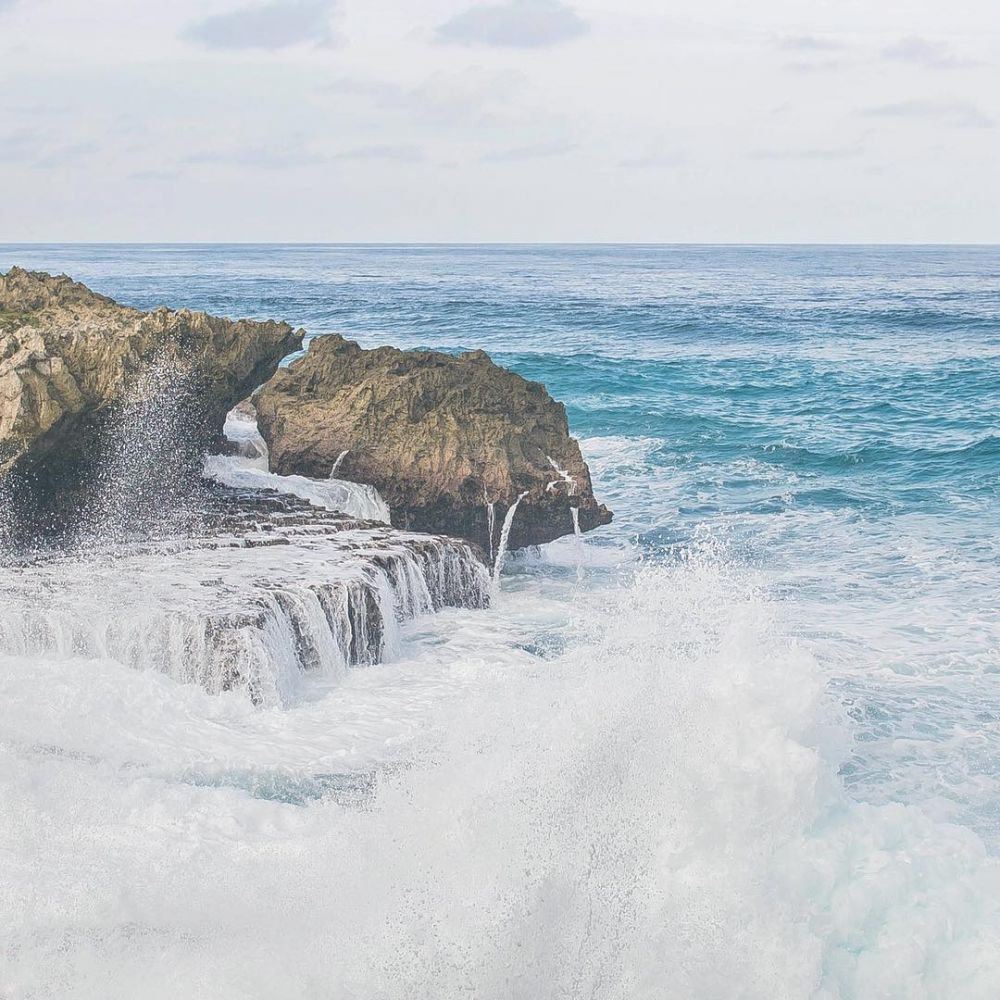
(745, 743)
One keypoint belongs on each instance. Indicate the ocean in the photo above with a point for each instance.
(743, 742)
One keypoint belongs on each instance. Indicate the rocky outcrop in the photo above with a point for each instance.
(72, 362)
(443, 438)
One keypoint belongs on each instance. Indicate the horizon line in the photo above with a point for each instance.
(482, 243)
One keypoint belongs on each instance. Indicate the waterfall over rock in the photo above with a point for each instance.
(270, 587)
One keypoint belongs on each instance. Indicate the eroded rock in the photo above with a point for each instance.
(441, 438)
(72, 362)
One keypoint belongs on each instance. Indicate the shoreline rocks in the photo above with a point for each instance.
(80, 373)
(441, 437)
(106, 412)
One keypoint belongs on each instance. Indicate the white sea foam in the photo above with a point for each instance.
(355, 499)
(645, 804)
(249, 470)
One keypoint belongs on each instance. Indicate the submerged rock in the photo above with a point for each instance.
(73, 363)
(450, 442)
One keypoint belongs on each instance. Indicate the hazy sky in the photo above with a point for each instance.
(440, 120)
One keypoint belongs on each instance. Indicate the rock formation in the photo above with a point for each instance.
(441, 437)
(71, 361)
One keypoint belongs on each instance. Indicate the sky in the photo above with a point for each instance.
(503, 120)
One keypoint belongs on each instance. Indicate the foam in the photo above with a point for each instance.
(651, 810)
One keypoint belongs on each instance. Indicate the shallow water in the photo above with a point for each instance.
(745, 742)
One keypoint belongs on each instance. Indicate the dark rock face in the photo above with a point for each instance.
(440, 437)
(73, 364)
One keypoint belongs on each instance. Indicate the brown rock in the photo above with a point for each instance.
(71, 359)
(439, 436)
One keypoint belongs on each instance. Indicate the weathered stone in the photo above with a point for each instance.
(441, 437)
(71, 361)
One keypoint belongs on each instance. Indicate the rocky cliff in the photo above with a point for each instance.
(451, 442)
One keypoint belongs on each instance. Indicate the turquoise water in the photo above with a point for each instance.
(823, 423)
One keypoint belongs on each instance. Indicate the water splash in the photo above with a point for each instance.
(243, 435)
(248, 469)
(147, 459)
(336, 465)
(491, 524)
(276, 591)
(563, 475)
(356, 499)
(508, 522)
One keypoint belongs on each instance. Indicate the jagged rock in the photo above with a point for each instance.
(440, 436)
(71, 360)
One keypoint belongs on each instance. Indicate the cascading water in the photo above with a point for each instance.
(264, 579)
(275, 589)
(491, 524)
(508, 522)
(574, 511)
(336, 465)
(354, 499)
(248, 469)
(563, 475)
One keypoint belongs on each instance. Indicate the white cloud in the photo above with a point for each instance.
(278, 157)
(398, 154)
(810, 153)
(37, 149)
(275, 25)
(935, 55)
(533, 151)
(954, 112)
(810, 43)
(654, 159)
(515, 24)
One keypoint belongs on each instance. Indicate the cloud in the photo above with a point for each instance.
(814, 153)
(400, 154)
(522, 24)
(536, 151)
(30, 148)
(956, 113)
(820, 66)
(813, 53)
(259, 157)
(653, 161)
(469, 98)
(935, 55)
(275, 25)
(289, 155)
(155, 175)
(810, 43)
